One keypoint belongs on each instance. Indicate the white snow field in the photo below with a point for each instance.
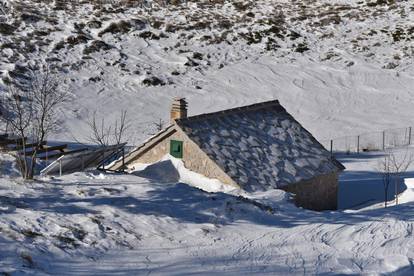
(340, 67)
(111, 224)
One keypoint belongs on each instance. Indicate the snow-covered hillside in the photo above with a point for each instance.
(337, 66)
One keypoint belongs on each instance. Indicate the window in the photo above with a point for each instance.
(176, 148)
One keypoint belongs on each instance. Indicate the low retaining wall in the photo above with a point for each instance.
(319, 193)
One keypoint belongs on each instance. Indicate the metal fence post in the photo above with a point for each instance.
(331, 147)
(409, 135)
(60, 167)
(358, 144)
(383, 140)
(123, 158)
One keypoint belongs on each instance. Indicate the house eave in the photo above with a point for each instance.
(144, 147)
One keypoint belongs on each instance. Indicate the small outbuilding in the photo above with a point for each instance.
(256, 147)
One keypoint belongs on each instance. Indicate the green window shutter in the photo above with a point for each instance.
(176, 148)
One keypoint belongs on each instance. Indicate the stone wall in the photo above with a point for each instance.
(318, 193)
(194, 159)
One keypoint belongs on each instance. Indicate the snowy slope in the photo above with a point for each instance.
(90, 223)
(327, 62)
(339, 67)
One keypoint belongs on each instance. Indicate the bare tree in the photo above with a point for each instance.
(384, 168)
(18, 114)
(159, 125)
(30, 113)
(399, 165)
(392, 167)
(108, 134)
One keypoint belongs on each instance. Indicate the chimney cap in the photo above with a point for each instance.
(178, 108)
(179, 99)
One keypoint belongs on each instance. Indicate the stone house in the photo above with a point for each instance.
(255, 147)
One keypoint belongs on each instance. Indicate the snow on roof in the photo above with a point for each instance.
(260, 146)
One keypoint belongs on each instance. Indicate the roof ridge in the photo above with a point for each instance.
(251, 107)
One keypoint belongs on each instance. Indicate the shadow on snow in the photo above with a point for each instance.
(191, 205)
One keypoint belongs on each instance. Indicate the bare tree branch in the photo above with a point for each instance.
(159, 125)
(31, 113)
(392, 167)
(112, 134)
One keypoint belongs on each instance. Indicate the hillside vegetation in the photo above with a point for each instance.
(139, 54)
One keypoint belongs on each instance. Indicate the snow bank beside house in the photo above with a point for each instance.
(171, 169)
(408, 194)
(8, 166)
(200, 181)
(170, 165)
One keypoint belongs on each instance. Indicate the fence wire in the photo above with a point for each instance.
(371, 141)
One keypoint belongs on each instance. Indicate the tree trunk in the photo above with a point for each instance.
(396, 190)
(386, 196)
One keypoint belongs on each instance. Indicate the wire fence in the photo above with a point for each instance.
(371, 141)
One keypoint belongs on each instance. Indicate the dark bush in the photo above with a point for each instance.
(191, 63)
(153, 81)
(79, 39)
(197, 55)
(6, 29)
(30, 17)
(138, 24)
(171, 28)
(94, 24)
(301, 48)
(117, 27)
(59, 45)
(149, 35)
(96, 46)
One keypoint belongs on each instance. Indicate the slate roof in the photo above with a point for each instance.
(260, 146)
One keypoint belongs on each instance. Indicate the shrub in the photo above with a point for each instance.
(6, 29)
(153, 81)
(96, 46)
(117, 27)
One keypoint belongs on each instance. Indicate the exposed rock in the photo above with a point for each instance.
(30, 17)
(94, 24)
(96, 46)
(301, 48)
(149, 35)
(153, 81)
(138, 24)
(6, 29)
(120, 27)
(191, 63)
(390, 65)
(79, 39)
(197, 55)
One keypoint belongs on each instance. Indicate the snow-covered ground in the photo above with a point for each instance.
(339, 67)
(361, 184)
(149, 222)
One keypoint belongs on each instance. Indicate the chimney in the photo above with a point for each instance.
(178, 109)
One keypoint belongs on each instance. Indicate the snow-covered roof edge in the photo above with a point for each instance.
(137, 150)
(234, 110)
